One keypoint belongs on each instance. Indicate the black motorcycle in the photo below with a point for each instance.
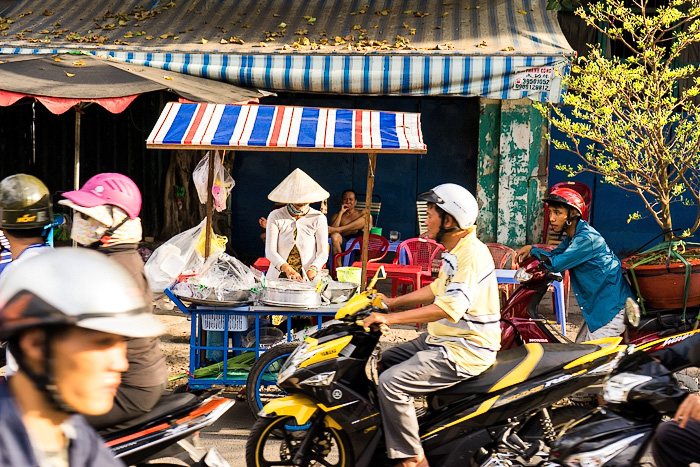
(640, 392)
(501, 417)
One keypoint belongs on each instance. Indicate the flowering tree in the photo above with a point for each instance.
(632, 124)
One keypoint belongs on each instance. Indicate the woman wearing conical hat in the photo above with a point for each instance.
(296, 236)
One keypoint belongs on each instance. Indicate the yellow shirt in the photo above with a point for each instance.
(467, 290)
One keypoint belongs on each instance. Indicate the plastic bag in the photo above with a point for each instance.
(221, 278)
(182, 254)
(223, 182)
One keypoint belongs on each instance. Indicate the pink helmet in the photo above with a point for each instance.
(108, 188)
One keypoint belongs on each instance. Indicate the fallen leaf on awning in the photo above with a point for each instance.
(204, 41)
(47, 13)
(80, 62)
(128, 35)
(405, 25)
(312, 20)
(236, 40)
(22, 15)
(56, 59)
(70, 75)
(522, 12)
(168, 78)
(276, 15)
(301, 32)
(282, 25)
(246, 26)
(224, 41)
(305, 41)
(421, 14)
(483, 44)
(412, 31)
(447, 3)
(149, 38)
(408, 12)
(444, 15)
(508, 49)
(383, 12)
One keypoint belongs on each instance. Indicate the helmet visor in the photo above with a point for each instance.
(430, 197)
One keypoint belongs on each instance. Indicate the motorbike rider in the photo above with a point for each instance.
(462, 309)
(106, 219)
(674, 441)
(26, 213)
(65, 314)
(596, 273)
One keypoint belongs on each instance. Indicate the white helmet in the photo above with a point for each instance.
(456, 201)
(74, 287)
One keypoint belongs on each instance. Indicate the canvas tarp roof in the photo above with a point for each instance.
(60, 81)
(503, 49)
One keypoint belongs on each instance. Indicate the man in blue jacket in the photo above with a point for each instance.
(65, 315)
(596, 273)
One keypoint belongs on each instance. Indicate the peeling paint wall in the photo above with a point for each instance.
(511, 172)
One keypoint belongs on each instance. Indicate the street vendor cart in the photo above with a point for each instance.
(275, 128)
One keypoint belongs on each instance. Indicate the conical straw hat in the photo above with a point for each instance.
(298, 188)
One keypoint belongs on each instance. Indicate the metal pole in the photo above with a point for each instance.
(210, 204)
(76, 165)
(371, 166)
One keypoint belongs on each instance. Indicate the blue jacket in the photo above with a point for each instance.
(596, 274)
(87, 449)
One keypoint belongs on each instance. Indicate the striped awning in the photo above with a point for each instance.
(500, 49)
(285, 128)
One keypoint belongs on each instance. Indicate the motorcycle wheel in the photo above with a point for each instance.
(275, 441)
(261, 385)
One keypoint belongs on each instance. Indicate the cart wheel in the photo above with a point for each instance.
(261, 386)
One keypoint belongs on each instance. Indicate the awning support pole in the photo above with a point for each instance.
(76, 166)
(210, 203)
(371, 167)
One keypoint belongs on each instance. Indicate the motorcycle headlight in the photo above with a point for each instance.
(600, 456)
(304, 352)
(618, 387)
(321, 379)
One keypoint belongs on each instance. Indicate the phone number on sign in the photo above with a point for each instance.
(532, 87)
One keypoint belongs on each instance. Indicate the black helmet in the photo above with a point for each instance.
(25, 203)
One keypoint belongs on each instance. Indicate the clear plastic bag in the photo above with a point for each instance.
(222, 278)
(223, 182)
(182, 254)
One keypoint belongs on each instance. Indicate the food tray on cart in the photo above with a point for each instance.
(221, 303)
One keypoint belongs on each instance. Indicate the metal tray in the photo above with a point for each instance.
(287, 305)
(205, 302)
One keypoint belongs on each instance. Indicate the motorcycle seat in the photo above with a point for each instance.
(168, 404)
(513, 366)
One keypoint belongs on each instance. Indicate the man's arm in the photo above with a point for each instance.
(353, 226)
(426, 314)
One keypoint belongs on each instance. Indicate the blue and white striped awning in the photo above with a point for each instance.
(500, 49)
(285, 128)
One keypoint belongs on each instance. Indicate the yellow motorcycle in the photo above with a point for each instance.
(501, 417)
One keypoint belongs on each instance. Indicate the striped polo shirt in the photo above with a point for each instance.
(467, 290)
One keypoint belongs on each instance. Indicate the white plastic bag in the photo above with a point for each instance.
(176, 256)
(223, 182)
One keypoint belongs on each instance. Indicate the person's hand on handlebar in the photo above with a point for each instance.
(388, 301)
(523, 254)
(377, 319)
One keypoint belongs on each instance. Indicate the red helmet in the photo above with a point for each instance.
(567, 196)
(108, 188)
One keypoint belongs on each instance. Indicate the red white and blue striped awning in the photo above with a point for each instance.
(498, 49)
(285, 128)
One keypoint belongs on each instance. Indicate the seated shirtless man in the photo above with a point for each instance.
(346, 224)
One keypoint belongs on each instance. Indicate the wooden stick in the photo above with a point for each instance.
(210, 203)
(371, 167)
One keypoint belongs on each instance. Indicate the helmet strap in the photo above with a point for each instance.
(46, 382)
(107, 236)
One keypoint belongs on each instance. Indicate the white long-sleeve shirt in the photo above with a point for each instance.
(311, 241)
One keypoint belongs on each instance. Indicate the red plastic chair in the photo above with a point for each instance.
(376, 250)
(417, 251)
(503, 258)
(548, 235)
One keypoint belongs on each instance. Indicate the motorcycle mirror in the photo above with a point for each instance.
(632, 313)
(380, 274)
